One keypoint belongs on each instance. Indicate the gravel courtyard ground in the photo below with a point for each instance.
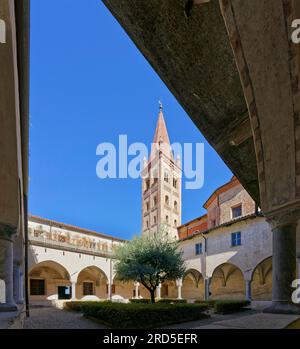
(53, 318)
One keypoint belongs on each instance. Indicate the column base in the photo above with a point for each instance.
(8, 307)
(283, 308)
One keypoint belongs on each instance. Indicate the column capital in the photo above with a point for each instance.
(179, 282)
(7, 232)
(280, 218)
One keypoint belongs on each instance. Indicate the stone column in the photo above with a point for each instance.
(136, 287)
(73, 290)
(207, 288)
(158, 291)
(179, 287)
(22, 299)
(109, 294)
(6, 271)
(17, 278)
(284, 263)
(248, 290)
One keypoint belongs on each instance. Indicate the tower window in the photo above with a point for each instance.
(175, 182)
(147, 184)
(154, 201)
(167, 219)
(175, 206)
(147, 206)
(147, 224)
(166, 177)
(154, 220)
(175, 223)
(166, 200)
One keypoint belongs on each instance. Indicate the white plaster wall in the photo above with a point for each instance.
(256, 246)
(72, 261)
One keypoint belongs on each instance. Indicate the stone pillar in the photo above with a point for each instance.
(136, 287)
(179, 287)
(284, 264)
(22, 288)
(207, 288)
(18, 284)
(109, 294)
(158, 291)
(248, 290)
(6, 272)
(73, 290)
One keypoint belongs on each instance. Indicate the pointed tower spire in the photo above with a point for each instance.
(161, 139)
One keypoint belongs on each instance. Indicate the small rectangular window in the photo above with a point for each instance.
(198, 248)
(37, 287)
(88, 289)
(166, 177)
(236, 239)
(236, 211)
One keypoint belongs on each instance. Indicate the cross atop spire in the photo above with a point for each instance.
(160, 106)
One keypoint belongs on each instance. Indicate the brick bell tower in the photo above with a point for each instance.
(161, 185)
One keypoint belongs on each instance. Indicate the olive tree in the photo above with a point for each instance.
(150, 261)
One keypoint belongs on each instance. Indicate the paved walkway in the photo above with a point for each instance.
(211, 320)
(255, 321)
(248, 319)
(53, 318)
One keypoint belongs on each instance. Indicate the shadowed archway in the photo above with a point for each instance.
(193, 285)
(227, 282)
(49, 280)
(261, 286)
(92, 284)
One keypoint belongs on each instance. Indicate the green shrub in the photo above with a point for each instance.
(76, 306)
(209, 303)
(81, 305)
(172, 300)
(135, 315)
(140, 301)
(229, 306)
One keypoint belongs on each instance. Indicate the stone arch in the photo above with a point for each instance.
(49, 280)
(193, 285)
(261, 285)
(60, 269)
(227, 282)
(91, 283)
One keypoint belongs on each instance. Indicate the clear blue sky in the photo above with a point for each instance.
(89, 83)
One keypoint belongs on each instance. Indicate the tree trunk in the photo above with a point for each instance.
(152, 293)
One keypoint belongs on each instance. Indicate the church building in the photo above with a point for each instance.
(161, 185)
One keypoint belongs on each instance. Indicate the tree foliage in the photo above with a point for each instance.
(150, 261)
